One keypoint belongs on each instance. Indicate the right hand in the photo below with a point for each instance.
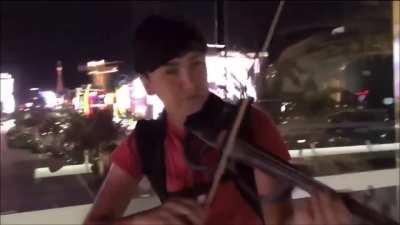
(176, 211)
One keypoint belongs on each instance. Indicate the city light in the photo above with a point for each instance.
(215, 46)
(388, 101)
(7, 125)
(109, 99)
(95, 63)
(112, 70)
(157, 104)
(229, 75)
(50, 98)
(338, 30)
(7, 93)
(257, 66)
(122, 98)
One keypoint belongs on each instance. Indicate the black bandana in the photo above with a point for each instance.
(159, 39)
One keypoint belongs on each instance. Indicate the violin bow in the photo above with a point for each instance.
(226, 151)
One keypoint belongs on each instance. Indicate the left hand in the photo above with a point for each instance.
(321, 208)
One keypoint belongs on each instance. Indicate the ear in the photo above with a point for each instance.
(147, 84)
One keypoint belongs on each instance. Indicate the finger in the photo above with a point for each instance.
(194, 206)
(169, 218)
(302, 212)
(345, 216)
(190, 212)
(201, 199)
(326, 203)
(316, 210)
(175, 215)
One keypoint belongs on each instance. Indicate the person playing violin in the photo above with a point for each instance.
(169, 55)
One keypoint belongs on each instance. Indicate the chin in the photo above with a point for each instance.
(195, 105)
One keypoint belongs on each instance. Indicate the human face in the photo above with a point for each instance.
(181, 83)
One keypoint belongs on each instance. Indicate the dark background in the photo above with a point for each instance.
(34, 35)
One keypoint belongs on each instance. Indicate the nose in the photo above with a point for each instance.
(187, 80)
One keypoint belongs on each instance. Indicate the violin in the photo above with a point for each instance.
(218, 124)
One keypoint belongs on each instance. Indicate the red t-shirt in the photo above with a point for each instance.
(228, 207)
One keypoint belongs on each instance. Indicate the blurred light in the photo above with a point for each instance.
(362, 93)
(131, 125)
(157, 104)
(361, 98)
(95, 63)
(215, 46)
(5, 76)
(122, 98)
(112, 70)
(44, 172)
(366, 73)
(301, 141)
(76, 103)
(388, 101)
(7, 93)
(29, 104)
(257, 65)
(50, 98)
(109, 99)
(8, 124)
(140, 110)
(338, 30)
(59, 101)
(283, 108)
(86, 100)
(117, 120)
(34, 89)
(227, 73)
(138, 90)
(260, 54)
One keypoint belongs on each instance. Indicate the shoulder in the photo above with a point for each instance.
(265, 133)
(126, 156)
(261, 121)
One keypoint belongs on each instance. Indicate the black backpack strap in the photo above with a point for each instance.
(245, 180)
(210, 120)
(150, 136)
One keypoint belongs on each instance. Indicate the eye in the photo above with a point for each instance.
(197, 63)
(171, 71)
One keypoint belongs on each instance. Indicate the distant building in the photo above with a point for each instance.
(7, 93)
(100, 72)
(60, 80)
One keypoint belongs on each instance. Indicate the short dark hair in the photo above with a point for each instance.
(159, 39)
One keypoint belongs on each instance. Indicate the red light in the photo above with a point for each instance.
(362, 93)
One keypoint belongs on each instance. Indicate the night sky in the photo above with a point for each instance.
(34, 35)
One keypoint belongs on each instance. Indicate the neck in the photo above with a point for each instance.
(176, 118)
(177, 115)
